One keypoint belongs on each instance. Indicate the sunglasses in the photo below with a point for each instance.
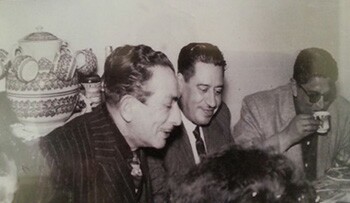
(314, 97)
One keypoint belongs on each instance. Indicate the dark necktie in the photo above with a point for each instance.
(199, 143)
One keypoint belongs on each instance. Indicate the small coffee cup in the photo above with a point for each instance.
(86, 62)
(25, 67)
(324, 118)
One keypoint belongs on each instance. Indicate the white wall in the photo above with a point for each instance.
(259, 38)
(344, 48)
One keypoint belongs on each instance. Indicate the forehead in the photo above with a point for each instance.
(318, 84)
(162, 83)
(208, 72)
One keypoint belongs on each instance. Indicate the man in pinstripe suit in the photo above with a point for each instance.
(206, 120)
(98, 157)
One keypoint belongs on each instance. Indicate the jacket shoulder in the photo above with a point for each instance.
(269, 96)
(71, 138)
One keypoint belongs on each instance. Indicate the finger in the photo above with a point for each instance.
(305, 123)
(314, 122)
(305, 116)
(305, 120)
(310, 120)
(310, 128)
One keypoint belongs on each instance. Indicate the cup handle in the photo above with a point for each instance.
(108, 50)
(18, 51)
(64, 48)
(4, 68)
(86, 104)
(4, 63)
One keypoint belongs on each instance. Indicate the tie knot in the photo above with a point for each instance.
(196, 132)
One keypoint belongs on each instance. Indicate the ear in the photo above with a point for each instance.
(294, 87)
(126, 108)
(181, 82)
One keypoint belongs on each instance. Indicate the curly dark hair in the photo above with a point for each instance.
(312, 62)
(198, 52)
(127, 68)
(238, 175)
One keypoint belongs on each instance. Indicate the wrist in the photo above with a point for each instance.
(285, 141)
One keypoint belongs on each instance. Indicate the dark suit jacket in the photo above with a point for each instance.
(177, 157)
(88, 156)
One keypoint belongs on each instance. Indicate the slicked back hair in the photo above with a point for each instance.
(312, 62)
(126, 70)
(198, 52)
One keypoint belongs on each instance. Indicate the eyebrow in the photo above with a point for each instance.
(206, 85)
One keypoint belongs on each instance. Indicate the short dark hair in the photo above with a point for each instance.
(127, 68)
(198, 52)
(312, 62)
(242, 176)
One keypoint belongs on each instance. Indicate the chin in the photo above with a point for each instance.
(159, 144)
(203, 121)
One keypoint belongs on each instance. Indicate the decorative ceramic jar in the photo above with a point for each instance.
(41, 80)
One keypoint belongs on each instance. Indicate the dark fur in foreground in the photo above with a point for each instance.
(240, 175)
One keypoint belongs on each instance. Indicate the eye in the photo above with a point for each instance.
(314, 96)
(168, 105)
(203, 89)
(218, 91)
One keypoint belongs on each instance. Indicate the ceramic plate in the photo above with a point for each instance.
(330, 195)
(339, 174)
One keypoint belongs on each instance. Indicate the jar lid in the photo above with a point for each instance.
(91, 79)
(39, 36)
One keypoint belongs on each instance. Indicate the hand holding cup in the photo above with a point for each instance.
(324, 118)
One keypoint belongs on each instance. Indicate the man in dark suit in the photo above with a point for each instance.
(205, 119)
(98, 157)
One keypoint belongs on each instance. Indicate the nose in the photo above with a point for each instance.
(175, 115)
(211, 99)
(319, 105)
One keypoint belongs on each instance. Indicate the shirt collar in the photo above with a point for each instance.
(189, 126)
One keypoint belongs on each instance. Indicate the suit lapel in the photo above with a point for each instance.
(146, 185)
(185, 148)
(181, 148)
(211, 142)
(286, 106)
(109, 148)
(214, 136)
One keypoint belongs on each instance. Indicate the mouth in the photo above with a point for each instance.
(208, 112)
(166, 133)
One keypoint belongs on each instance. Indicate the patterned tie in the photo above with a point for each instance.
(199, 142)
(136, 172)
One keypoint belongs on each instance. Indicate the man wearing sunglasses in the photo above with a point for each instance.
(99, 156)
(282, 118)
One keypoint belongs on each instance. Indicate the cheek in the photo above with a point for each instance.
(218, 99)
(305, 101)
(193, 95)
(160, 117)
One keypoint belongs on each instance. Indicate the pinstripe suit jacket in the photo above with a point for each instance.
(88, 156)
(177, 157)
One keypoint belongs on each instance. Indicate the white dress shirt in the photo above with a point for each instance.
(189, 126)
